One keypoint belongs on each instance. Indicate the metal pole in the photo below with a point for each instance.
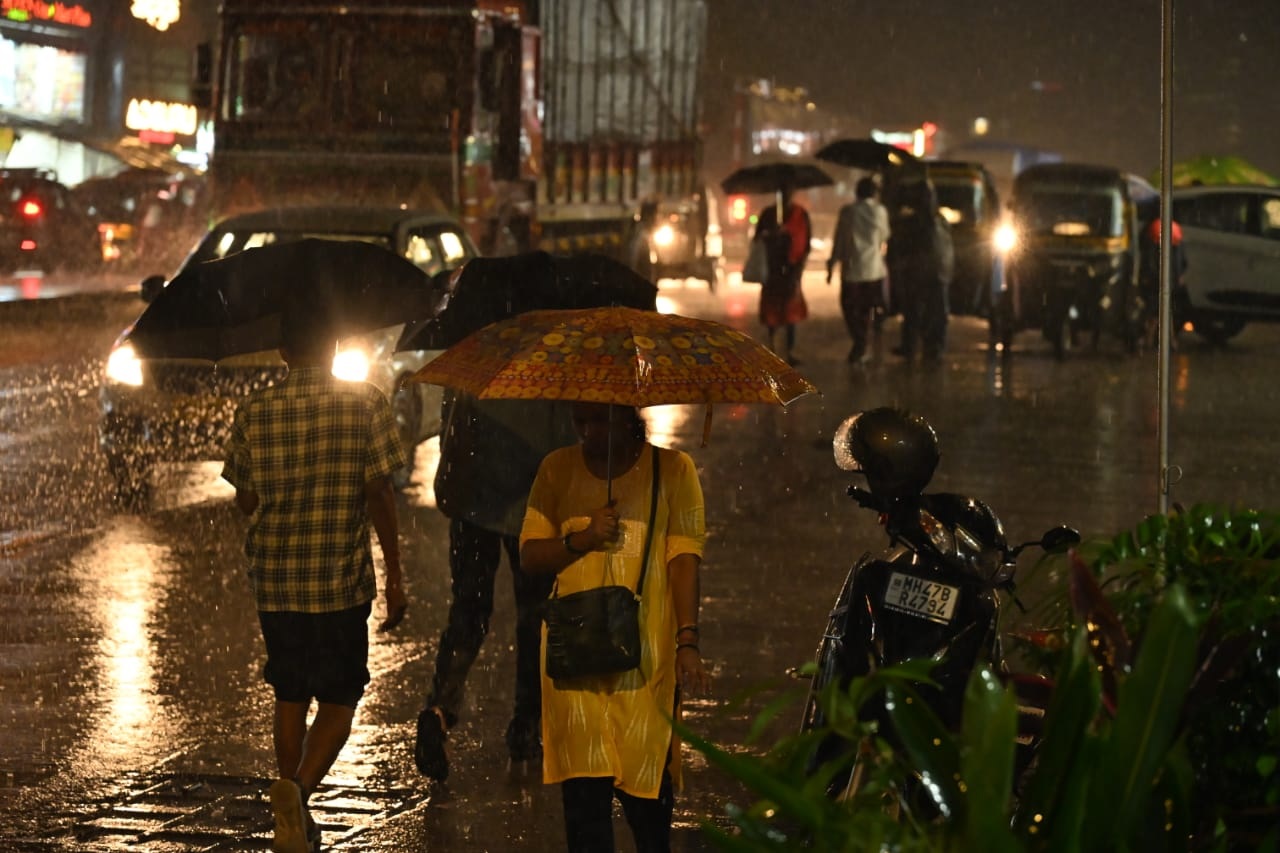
(1166, 248)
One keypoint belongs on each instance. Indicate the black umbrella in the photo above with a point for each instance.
(487, 290)
(866, 154)
(774, 178)
(234, 305)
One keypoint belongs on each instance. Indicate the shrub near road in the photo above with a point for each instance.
(1163, 731)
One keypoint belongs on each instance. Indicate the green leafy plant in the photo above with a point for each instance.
(1103, 780)
(1228, 562)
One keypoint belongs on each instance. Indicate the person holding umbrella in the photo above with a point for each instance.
(588, 516)
(785, 232)
(311, 461)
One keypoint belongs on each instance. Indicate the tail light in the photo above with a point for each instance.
(738, 210)
(30, 208)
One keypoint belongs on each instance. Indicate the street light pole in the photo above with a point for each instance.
(1166, 250)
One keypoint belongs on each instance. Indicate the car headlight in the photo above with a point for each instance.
(1006, 238)
(124, 366)
(664, 236)
(351, 365)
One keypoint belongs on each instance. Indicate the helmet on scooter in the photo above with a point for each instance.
(896, 450)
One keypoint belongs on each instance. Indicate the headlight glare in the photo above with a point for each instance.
(351, 365)
(1006, 238)
(664, 236)
(124, 366)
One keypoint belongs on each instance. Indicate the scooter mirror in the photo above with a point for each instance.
(1059, 539)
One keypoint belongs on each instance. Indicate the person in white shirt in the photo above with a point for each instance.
(858, 247)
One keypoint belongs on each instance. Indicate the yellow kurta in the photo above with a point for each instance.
(617, 725)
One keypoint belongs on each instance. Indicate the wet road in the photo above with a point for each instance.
(131, 707)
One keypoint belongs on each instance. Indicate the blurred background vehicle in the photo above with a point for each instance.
(41, 225)
(683, 240)
(1231, 237)
(146, 218)
(160, 409)
(1073, 269)
(968, 200)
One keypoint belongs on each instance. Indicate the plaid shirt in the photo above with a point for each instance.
(307, 447)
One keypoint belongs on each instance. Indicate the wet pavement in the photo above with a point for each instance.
(131, 706)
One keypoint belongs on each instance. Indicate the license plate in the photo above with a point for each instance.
(927, 599)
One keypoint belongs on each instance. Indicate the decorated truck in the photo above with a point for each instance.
(555, 124)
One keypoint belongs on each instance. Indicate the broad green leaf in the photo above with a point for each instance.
(931, 748)
(757, 776)
(1150, 705)
(1071, 713)
(989, 728)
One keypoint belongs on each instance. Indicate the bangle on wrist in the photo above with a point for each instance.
(693, 646)
(568, 546)
(691, 628)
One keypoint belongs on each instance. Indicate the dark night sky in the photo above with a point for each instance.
(900, 62)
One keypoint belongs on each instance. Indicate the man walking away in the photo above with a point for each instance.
(858, 247)
(311, 461)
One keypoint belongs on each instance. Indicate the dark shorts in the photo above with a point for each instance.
(324, 656)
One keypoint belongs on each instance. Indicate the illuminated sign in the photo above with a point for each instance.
(161, 117)
(158, 13)
(25, 11)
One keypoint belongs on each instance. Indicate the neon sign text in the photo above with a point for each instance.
(162, 116)
(70, 15)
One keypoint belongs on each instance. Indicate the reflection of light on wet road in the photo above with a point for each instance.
(124, 576)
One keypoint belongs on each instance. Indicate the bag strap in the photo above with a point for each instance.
(648, 534)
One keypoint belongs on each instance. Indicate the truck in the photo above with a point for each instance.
(558, 125)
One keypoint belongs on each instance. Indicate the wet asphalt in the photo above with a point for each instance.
(132, 712)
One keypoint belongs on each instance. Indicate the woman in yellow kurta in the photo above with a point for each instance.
(609, 735)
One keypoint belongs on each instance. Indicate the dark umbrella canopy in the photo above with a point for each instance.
(235, 305)
(774, 178)
(487, 290)
(866, 154)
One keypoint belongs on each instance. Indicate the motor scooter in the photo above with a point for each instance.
(934, 591)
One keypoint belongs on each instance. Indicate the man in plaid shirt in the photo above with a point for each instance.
(311, 460)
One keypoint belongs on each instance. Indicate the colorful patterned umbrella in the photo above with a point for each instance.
(615, 355)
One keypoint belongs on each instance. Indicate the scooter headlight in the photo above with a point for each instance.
(124, 366)
(351, 365)
(664, 236)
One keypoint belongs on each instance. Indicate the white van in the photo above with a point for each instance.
(1231, 237)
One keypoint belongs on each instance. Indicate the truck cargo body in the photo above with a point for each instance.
(537, 133)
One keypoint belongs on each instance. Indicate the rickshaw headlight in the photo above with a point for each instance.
(1006, 238)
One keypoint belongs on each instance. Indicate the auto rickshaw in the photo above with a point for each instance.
(968, 200)
(1072, 269)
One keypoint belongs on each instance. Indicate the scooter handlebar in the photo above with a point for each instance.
(865, 499)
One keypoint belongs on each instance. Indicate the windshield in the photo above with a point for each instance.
(279, 69)
(959, 200)
(1072, 212)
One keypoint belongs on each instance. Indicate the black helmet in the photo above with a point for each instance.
(896, 450)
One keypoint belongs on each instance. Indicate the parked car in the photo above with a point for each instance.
(41, 225)
(1231, 238)
(155, 410)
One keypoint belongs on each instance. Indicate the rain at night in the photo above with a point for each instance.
(655, 425)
